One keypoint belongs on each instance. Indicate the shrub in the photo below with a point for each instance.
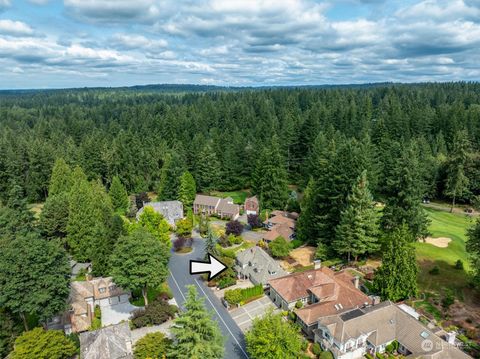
(179, 243)
(390, 348)
(434, 271)
(234, 227)
(97, 318)
(232, 239)
(326, 355)
(152, 345)
(368, 356)
(184, 228)
(459, 264)
(380, 356)
(226, 282)
(316, 349)
(158, 312)
(298, 304)
(448, 299)
(239, 295)
(254, 221)
(321, 252)
(296, 243)
(279, 247)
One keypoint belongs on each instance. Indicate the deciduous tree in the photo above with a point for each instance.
(43, 344)
(139, 261)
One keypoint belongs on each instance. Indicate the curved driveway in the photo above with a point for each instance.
(180, 277)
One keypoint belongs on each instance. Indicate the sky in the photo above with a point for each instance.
(78, 43)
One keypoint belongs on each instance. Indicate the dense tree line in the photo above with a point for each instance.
(219, 137)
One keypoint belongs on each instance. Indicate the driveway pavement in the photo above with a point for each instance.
(114, 314)
(244, 315)
(180, 277)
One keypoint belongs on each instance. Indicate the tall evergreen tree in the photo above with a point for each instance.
(119, 196)
(404, 192)
(197, 335)
(396, 278)
(62, 178)
(473, 249)
(139, 262)
(54, 216)
(34, 277)
(357, 231)
(172, 169)
(210, 243)
(207, 169)
(270, 178)
(457, 181)
(187, 189)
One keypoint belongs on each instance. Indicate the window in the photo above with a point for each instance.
(102, 290)
(112, 287)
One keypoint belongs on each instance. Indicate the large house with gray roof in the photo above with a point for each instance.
(172, 211)
(255, 264)
(113, 342)
(352, 334)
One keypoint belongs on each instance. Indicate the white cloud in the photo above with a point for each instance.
(15, 28)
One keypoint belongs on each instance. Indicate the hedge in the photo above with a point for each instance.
(240, 295)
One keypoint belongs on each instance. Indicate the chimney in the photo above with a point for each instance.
(356, 281)
(376, 300)
(317, 264)
(450, 337)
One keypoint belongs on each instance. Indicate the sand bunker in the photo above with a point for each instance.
(441, 242)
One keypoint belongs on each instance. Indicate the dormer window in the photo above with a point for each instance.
(112, 287)
(102, 290)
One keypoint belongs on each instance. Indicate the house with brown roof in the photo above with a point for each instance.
(352, 334)
(85, 295)
(321, 291)
(280, 224)
(251, 205)
(222, 207)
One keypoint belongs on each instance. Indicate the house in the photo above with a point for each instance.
(77, 268)
(222, 207)
(255, 264)
(172, 211)
(280, 224)
(252, 206)
(113, 342)
(352, 334)
(321, 291)
(85, 295)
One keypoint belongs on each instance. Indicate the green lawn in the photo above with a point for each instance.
(454, 226)
(238, 196)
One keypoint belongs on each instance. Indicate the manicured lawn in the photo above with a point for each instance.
(238, 196)
(453, 226)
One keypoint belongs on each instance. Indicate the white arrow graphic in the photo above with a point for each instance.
(213, 267)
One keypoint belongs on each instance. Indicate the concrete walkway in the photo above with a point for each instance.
(141, 332)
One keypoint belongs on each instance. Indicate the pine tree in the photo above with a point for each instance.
(197, 335)
(62, 178)
(473, 249)
(402, 205)
(54, 216)
(396, 278)
(210, 243)
(457, 181)
(270, 178)
(207, 169)
(357, 231)
(172, 169)
(119, 196)
(187, 190)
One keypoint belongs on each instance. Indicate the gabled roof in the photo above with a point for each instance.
(203, 200)
(226, 206)
(170, 210)
(386, 322)
(262, 265)
(113, 342)
(335, 290)
(280, 230)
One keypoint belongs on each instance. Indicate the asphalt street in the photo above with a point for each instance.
(180, 277)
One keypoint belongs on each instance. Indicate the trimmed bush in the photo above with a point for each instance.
(239, 295)
(157, 312)
(316, 349)
(326, 355)
(298, 304)
(226, 282)
(234, 227)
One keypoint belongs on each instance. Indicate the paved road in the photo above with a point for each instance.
(180, 277)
